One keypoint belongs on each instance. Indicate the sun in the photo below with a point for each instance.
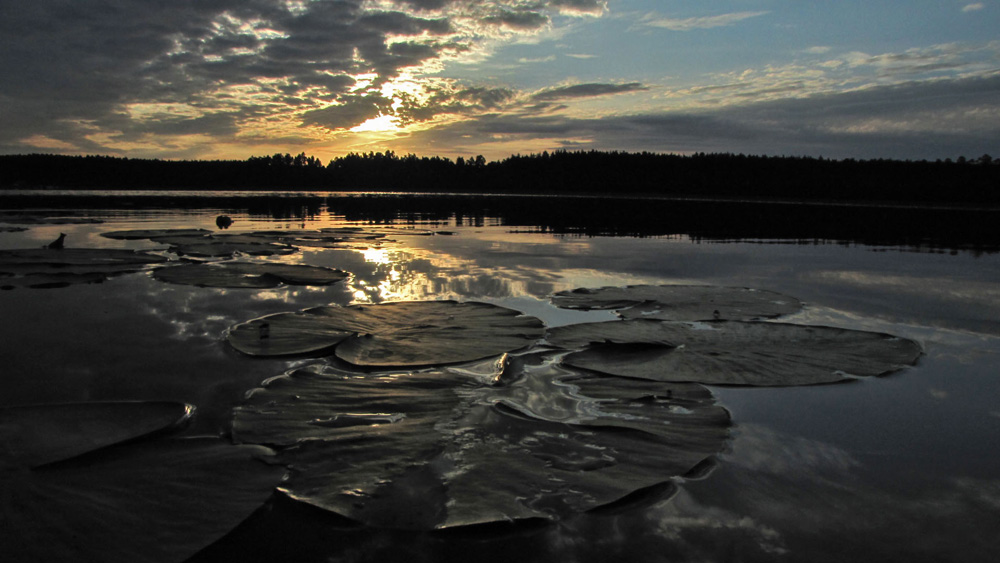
(380, 124)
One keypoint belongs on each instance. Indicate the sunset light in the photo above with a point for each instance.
(501, 77)
(531, 281)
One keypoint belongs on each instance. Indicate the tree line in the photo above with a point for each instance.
(719, 175)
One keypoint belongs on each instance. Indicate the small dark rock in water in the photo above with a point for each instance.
(58, 243)
(223, 221)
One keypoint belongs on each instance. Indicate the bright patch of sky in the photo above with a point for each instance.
(232, 78)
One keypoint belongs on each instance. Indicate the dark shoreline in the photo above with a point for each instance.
(699, 176)
(935, 229)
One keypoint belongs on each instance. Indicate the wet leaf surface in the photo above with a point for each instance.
(107, 258)
(250, 275)
(48, 281)
(467, 445)
(139, 234)
(35, 435)
(212, 248)
(204, 243)
(19, 219)
(157, 501)
(59, 267)
(681, 302)
(732, 352)
(410, 333)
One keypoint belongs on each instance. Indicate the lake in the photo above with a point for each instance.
(903, 467)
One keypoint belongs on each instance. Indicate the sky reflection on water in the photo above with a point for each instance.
(902, 467)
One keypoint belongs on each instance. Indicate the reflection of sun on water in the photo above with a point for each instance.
(405, 270)
(391, 287)
(377, 255)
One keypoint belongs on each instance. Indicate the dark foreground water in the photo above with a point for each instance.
(898, 468)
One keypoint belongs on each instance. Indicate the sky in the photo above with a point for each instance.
(230, 79)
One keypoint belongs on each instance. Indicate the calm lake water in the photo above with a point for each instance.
(898, 468)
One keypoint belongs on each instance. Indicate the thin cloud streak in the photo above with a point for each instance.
(702, 22)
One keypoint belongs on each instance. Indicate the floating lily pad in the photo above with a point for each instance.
(35, 435)
(139, 234)
(732, 352)
(157, 501)
(681, 302)
(48, 267)
(334, 237)
(413, 333)
(450, 447)
(211, 248)
(40, 220)
(106, 259)
(247, 274)
(49, 281)
(202, 243)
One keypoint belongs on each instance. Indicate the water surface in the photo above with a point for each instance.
(903, 467)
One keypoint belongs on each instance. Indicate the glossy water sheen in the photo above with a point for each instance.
(901, 468)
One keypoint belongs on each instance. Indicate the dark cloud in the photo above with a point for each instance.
(523, 20)
(939, 119)
(70, 62)
(472, 101)
(424, 5)
(215, 124)
(351, 113)
(586, 91)
(399, 23)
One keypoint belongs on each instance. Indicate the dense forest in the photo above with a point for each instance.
(607, 173)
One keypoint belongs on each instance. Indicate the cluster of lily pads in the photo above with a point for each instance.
(499, 418)
(427, 415)
(204, 258)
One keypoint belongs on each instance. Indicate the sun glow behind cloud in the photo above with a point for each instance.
(380, 124)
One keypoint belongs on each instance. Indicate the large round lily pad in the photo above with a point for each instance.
(412, 333)
(249, 274)
(107, 260)
(98, 482)
(452, 447)
(681, 302)
(58, 267)
(35, 435)
(158, 501)
(732, 352)
(210, 247)
(49, 280)
(201, 243)
(139, 234)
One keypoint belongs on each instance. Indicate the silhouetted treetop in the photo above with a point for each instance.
(973, 180)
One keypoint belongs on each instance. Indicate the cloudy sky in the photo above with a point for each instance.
(236, 78)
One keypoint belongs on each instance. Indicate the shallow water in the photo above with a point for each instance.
(903, 467)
